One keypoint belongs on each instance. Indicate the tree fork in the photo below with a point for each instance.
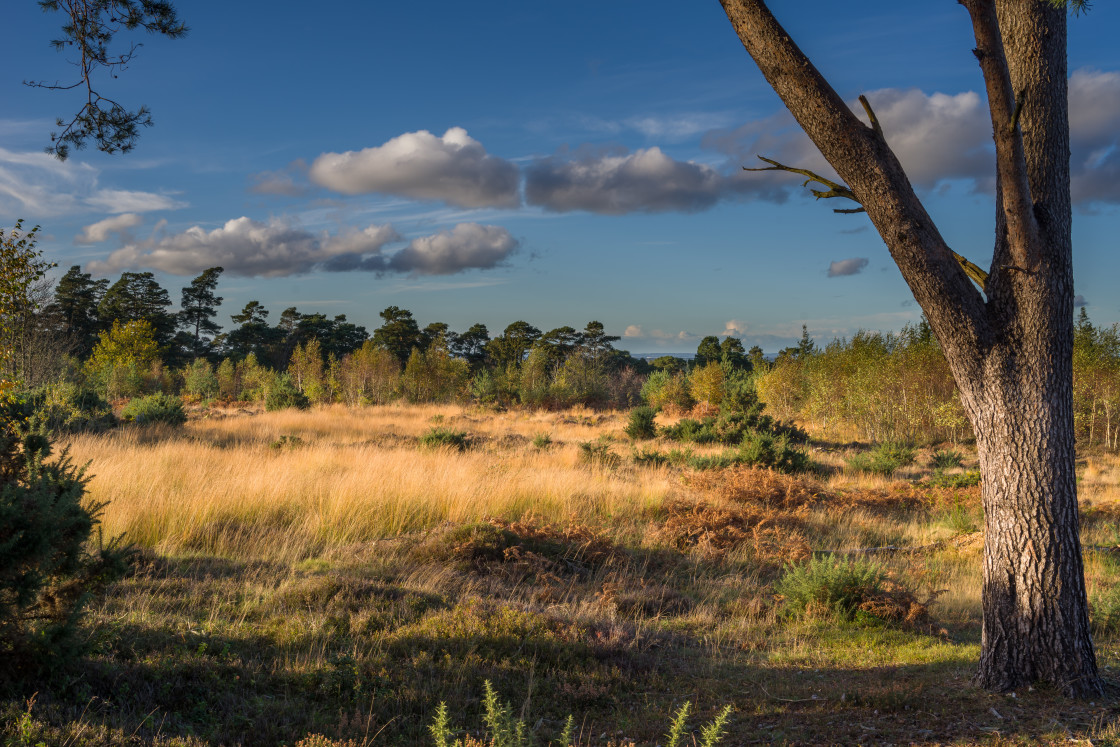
(1010, 353)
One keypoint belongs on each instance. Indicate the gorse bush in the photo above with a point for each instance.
(885, 459)
(945, 459)
(155, 408)
(47, 571)
(69, 408)
(437, 437)
(542, 440)
(598, 453)
(283, 395)
(829, 585)
(641, 425)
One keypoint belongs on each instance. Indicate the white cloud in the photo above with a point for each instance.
(633, 330)
(131, 201)
(35, 186)
(100, 231)
(734, 328)
(249, 248)
(616, 183)
(843, 267)
(1094, 107)
(466, 246)
(941, 137)
(936, 136)
(246, 247)
(455, 169)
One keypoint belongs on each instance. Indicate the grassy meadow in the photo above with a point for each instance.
(328, 577)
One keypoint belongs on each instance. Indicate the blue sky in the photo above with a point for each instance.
(549, 162)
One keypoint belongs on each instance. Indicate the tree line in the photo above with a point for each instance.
(121, 339)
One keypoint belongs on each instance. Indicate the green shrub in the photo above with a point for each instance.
(945, 459)
(763, 449)
(283, 395)
(542, 440)
(648, 457)
(48, 571)
(155, 408)
(598, 453)
(959, 480)
(885, 459)
(437, 437)
(830, 585)
(69, 408)
(641, 425)
(689, 430)
(287, 442)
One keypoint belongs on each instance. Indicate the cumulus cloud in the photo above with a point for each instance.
(454, 168)
(467, 246)
(101, 230)
(1094, 129)
(633, 330)
(940, 137)
(35, 185)
(734, 328)
(615, 183)
(936, 136)
(842, 267)
(247, 248)
(1079, 301)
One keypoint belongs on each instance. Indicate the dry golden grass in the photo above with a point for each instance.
(221, 486)
(313, 565)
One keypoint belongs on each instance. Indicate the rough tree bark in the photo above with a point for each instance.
(1011, 352)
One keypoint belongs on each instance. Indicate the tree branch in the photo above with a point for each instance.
(839, 190)
(90, 27)
(865, 164)
(1006, 107)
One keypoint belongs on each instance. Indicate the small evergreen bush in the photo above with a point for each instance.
(155, 408)
(542, 440)
(283, 395)
(437, 437)
(885, 459)
(598, 453)
(69, 408)
(641, 425)
(945, 459)
(648, 458)
(830, 585)
(48, 571)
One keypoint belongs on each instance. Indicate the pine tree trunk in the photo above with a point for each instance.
(1036, 624)
(1010, 350)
